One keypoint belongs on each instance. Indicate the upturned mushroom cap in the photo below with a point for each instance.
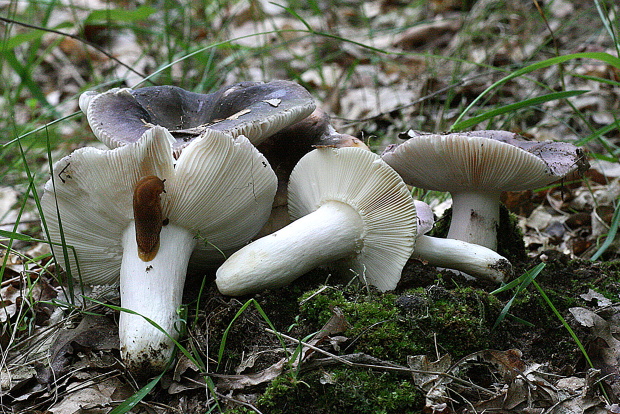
(481, 160)
(348, 205)
(359, 178)
(256, 110)
(136, 214)
(220, 189)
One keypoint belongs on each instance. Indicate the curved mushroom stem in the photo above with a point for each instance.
(475, 217)
(153, 290)
(333, 231)
(470, 258)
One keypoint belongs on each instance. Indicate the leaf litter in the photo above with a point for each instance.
(70, 363)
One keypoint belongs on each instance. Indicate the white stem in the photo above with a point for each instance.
(333, 231)
(154, 290)
(475, 260)
(475, 217)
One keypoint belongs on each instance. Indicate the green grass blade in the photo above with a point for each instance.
(522, 281)
(602, 56)
(535, 270)
(119, 15)
(12, 235)
(220, 353)
(598, 133)
(566, 325)
(515, 106)
(611, 235)
(132, 401)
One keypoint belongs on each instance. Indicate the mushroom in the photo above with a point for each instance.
(254, 109)
(137, 214)
(348, 206)
(276, 116)
(472, 259)
(475, 167)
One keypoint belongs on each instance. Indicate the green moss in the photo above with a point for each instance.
(391, 327)
(340, 390)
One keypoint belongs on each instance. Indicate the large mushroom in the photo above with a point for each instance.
(254, 109)
(348, 206)
(475, 167)
(136, 213)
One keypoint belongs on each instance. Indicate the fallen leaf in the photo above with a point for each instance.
(593, 295)
(273, 102)
(437, 33)
(238, 114)
(604, 349)
(429, 378)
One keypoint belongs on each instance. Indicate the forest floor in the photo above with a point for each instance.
(439, 342)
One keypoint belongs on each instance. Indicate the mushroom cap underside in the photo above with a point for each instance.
(360, 178)
(220, 188)
(256, 110)
(482, 160)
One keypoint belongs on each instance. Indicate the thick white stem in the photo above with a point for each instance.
(475, 260)
(475, 217)
(154, 290)
(333, 231)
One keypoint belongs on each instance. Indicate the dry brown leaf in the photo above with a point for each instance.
(437, 33)
(88, 397)
(428, 378)
(604, 349)
(92, 333)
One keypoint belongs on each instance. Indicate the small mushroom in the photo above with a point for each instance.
(475, 167)
(137, 214)
(472, 259)
(254, 109)
(348, 206)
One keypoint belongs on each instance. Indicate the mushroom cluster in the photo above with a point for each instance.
(193, 178)
(351, 209)
(348, 206)
(181, 185)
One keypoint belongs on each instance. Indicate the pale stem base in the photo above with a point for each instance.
(154, 290)
(475, 260)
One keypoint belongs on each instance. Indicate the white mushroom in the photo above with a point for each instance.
(347, 205)
(214, 198)
(475, 168)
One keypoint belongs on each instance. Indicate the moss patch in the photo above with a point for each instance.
(341, 390)
(393, 326)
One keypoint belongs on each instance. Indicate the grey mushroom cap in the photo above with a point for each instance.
(493, 160)
(254, 109)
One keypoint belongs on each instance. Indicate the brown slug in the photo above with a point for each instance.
(148, 216)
